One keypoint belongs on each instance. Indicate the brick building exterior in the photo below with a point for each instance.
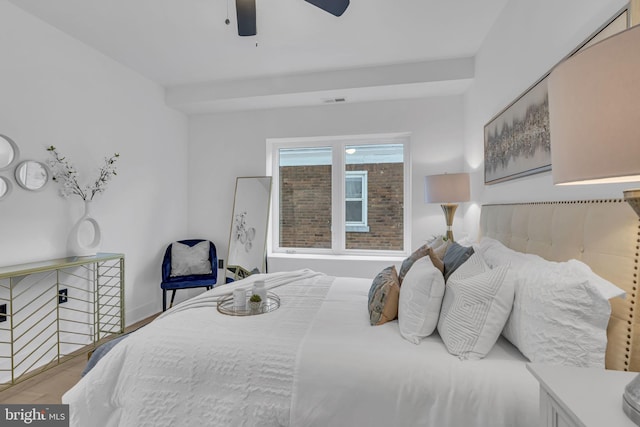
(305, 207)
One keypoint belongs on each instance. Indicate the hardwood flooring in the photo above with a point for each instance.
(48, 386)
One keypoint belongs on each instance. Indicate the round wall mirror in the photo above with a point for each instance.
(5, 187)
(8, 152)
(32, 175)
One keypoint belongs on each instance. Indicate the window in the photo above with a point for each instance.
(340, 195)
(356, 201)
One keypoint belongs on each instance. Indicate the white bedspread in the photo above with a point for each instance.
(314, 362)
(353, 374)
(197, 367)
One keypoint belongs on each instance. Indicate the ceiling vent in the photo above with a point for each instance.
(333, 100)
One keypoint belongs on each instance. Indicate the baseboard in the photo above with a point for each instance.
(141, 313)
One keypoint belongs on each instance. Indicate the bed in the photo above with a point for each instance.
(317, 361)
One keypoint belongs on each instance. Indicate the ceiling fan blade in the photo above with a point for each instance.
(246, 13)
(334, 7)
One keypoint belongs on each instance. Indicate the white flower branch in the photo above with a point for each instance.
(65, 174)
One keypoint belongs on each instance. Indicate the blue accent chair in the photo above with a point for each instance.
(190, 281)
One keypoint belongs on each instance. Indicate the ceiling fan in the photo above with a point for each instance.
(246, 12)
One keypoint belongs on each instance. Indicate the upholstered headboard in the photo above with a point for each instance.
(604, 234)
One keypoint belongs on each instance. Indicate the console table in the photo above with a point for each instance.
(53, 309)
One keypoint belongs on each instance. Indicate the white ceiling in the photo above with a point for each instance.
(182, 44)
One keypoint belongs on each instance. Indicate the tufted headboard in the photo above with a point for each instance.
(604, 234)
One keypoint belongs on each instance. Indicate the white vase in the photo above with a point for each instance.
(85, 237)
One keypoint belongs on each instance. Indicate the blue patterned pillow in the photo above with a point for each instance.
(383, 297)
(455, 256)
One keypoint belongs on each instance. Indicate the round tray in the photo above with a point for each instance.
(225, 306)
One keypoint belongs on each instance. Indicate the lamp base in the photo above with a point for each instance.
(449, 210)
(633, 198)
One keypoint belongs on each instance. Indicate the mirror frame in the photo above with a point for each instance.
(258, 220)
(22, 184)
(16, 152)
(9, 187)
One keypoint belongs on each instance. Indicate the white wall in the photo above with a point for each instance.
(57, 91)
(527, 40)
(224, 146)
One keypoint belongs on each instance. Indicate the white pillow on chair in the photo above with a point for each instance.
(187, 260)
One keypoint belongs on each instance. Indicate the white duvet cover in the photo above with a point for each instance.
(315, 361)
(352, 374)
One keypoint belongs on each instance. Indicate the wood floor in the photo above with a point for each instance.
(49, 386)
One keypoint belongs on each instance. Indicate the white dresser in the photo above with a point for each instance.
(581, 397)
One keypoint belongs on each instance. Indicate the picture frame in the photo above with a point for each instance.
(517, 140)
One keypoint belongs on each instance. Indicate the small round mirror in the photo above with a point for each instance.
(5, 187)
(32, 175)
(8, 152)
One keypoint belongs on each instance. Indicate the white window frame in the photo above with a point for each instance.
(338, 173)
(358, 226)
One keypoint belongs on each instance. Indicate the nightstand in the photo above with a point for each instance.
(581, 397)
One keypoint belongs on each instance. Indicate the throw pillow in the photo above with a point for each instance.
(455, 256)
(440, 246)
(383, 297)
(477, 302)
(422, 251)
(187, 260)
(420, 299)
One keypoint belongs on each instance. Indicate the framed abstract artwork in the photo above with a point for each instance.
(517, 142)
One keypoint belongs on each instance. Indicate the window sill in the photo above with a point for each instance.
(390, 258)
(357, 228)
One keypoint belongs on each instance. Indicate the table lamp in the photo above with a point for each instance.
(448, 189)
(594, 112)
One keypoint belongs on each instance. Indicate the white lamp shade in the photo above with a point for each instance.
(446, 188)
(594, 108)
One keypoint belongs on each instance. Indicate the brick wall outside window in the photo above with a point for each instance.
(305, 207)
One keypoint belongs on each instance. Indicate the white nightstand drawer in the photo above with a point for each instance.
(551, 414)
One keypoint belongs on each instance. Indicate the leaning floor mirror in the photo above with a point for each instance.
(249, 222)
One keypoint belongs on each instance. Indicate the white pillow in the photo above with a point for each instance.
(477, 302)
(495, 253)
(186, 260)
(561, 309)
(420, 299)
(558, 319)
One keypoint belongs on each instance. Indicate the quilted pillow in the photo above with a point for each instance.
(187, 260)
(477, 302)
(420, 299)
(561, 309)
(383, 297)
(495, 253)
(422, 251)
(455, 256)
(558, 320)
